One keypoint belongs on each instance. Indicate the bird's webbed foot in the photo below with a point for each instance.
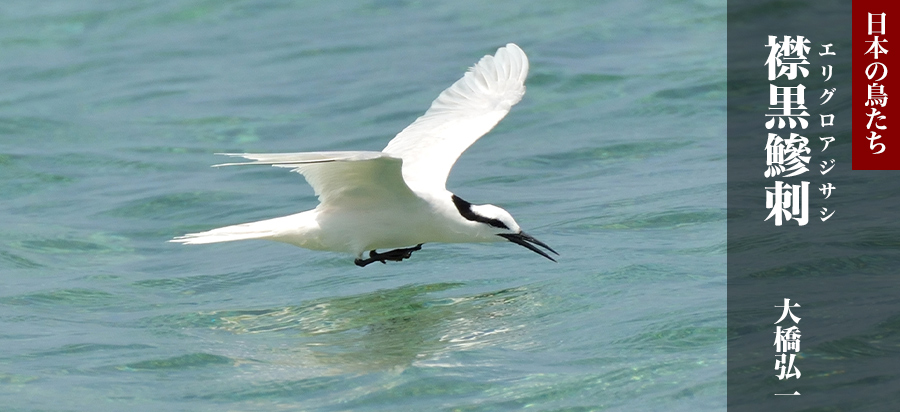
(395, 255)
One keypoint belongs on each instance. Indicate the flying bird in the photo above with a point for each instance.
(396, 199)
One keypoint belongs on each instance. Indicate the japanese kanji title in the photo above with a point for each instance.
(790, 157)
(876, 95)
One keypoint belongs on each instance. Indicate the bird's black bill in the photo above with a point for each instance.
(526, 240)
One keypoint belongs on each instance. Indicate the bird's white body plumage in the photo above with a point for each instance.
(396, 197)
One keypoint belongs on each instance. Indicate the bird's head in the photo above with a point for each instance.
(495, 221)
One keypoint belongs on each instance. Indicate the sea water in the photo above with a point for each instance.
(110, 115)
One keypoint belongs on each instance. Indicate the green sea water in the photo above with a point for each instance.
(110, 113)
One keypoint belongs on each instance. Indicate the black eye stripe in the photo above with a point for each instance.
(465, 209)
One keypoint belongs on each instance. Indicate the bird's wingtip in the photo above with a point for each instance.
(512, 48)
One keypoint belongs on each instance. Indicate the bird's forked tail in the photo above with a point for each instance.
(265, 229)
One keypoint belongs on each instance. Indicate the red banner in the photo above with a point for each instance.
(874, 145)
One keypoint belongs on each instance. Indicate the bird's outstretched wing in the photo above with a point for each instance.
(458, 117)
(360, 179)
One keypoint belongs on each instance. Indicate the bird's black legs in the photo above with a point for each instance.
(395, 255)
